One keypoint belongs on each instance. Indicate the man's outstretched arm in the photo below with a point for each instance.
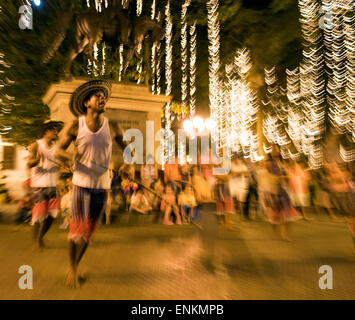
(70, 132)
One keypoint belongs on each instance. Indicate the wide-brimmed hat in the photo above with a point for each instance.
(76, 104)
(49, 124)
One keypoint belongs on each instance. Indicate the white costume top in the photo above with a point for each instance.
(94, 150)
(45, 174)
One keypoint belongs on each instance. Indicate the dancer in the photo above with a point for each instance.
(92, 135)
(44, 174)
(277, 201)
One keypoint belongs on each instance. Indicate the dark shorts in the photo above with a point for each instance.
(46, 202)
(87, 207)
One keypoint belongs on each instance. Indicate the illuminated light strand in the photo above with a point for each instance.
(167, 149)
(103, 58)
(157, 69)
(125, 4)
(241, 108)
(140, 63)
(346, 155)
(98, 4)
(312, 81)
(153, 9)
(153, 66)
(89, 67)
(273, 122)
(121, 63)
(6, 101)
(193, 57)
(184, 56)
(94, 69)
(139, 7)
(216, 107)
(184, 71)
(340, 44)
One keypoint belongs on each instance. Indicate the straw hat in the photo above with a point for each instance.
(49, 124)
(76, 104)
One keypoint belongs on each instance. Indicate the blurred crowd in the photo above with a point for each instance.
(271, 190)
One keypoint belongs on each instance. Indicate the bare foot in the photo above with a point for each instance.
(42, 244)
(72, 279)
(36, 247)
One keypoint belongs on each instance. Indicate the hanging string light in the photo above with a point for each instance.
(98, 4)
(140, 63)
(184, 56)
(193, 57)
(167, 149)
(312, 82)
(95, 67)
(153, 10)
(241, 107)
(295, 117)
(89, 67)
(340, 37)
(216, 107)
(6, 101)
(121, 63)
(139, 7)
(157, 69)
(125, 4)
(103, 58)
(153, 67)
(276, 114)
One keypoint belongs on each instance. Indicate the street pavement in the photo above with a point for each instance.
(153, 261)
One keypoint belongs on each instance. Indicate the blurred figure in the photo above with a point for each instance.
(224, 201)
(239, 185)
(172, 175)
(149, 173)
(169, 205)
(339, 186)
(127, 173)
(187, 203)
(185, 176)
(207, 219)
(298, 179)
(140, 203)
(44, 171)
(23, 213)
(342, 187)
(277, 202)
(158, 188)
(252, 192)
(322, 197)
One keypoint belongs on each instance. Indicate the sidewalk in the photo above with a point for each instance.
(153, 261)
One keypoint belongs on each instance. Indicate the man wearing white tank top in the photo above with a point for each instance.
(92, 135)
(44, 173)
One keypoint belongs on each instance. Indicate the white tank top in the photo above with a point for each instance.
(94, 151)
(44, 175)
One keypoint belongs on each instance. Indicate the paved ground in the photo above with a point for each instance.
(153, 261)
